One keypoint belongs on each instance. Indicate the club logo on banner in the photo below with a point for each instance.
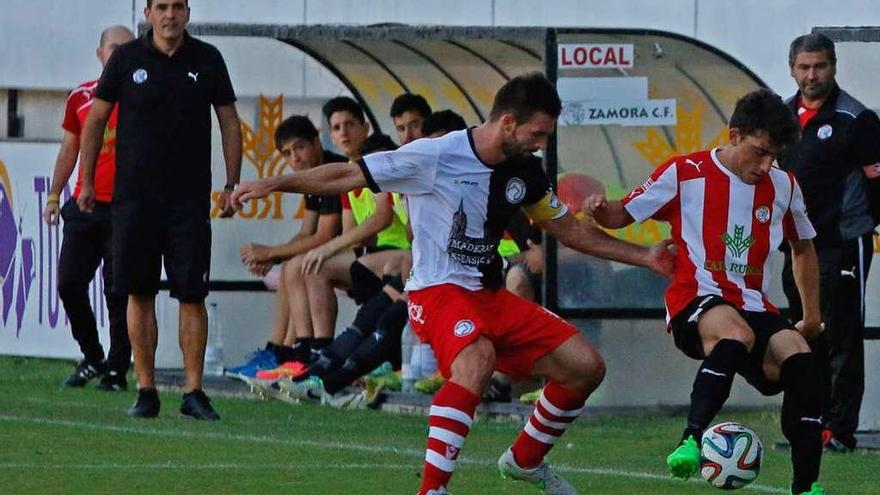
(17, 253)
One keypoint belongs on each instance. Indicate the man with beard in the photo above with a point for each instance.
(462, 190)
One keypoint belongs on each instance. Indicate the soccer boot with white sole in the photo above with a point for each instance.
(541, 476)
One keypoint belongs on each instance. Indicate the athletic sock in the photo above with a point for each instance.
(555, 410)
(450, 420)
(369, 313)
(712, 384)
(371, 352)
(801, 418)
(300, 351)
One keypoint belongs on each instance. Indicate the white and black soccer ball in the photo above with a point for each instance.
(730, 456)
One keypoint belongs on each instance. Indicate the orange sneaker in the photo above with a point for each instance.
(290, 369)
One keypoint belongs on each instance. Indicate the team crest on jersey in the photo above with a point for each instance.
(824, 132)
(463, 328)
(762, 214)
(139, 76)
(416, 312)
(515, 190)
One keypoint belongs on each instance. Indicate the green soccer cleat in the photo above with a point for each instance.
(815, 489)
(531, 397)
(684, 461)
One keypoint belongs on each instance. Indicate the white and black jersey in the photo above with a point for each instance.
(459, 206)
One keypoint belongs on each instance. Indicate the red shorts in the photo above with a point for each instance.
(449, 318)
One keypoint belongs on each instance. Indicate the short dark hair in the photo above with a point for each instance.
(294, 127)
(150, 3)
(343, 104)
(525, 96)
(377, 142)
(444, 120)
(764, 110)
(813, 42)
(408, 102)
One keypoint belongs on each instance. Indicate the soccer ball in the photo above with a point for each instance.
(730, 456)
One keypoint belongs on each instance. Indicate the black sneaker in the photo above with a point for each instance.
(84, 373)
(113, 381)
(146, 405)
(197, 405)
(497, 391)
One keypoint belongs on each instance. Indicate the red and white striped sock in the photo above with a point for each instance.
(450, 419)
(557, 408)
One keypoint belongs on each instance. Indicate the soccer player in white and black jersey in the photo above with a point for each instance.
(728, 208)
(462, 189)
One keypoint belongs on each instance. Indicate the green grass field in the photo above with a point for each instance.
(57, 441)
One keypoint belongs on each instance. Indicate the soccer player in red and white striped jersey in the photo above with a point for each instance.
(728, 208)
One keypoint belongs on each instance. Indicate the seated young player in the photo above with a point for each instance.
(296, 139)
(728, 208)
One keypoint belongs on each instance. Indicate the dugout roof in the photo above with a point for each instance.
(651, 94)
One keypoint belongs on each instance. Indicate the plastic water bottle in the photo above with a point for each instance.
(214, 347)
(427, 360)
(408, 375)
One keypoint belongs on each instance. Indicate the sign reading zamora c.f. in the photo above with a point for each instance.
(737, 244)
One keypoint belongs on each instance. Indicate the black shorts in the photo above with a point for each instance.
(764, 324)
(147, 232)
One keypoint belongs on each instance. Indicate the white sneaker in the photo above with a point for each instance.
(347, 398)
(438, 491)
(291, 391)
(541, 475)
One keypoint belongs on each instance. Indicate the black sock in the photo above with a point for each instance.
(334, 354)
(801, 418)
(369, 313)
(372, 351)
(712, 385)
(300, 351)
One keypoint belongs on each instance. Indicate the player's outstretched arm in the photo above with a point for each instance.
(805, 267)
(584, 236)
(608, 214)
(332, 178)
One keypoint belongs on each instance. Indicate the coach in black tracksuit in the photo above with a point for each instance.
(836, 165)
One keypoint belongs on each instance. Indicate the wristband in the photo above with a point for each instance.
(53, 198)
(229, 187)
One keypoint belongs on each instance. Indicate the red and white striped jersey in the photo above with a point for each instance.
(723, 228)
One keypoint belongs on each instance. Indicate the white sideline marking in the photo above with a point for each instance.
(414, 453)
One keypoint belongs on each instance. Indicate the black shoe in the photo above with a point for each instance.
(146, 405)
(197, 405)
(497, 391)
(84, 373)
(113, 381)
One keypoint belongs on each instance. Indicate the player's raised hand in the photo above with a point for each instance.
(594, 203)
(247, 191)
(662, 258)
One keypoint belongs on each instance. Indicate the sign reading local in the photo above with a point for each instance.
(595, 56)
